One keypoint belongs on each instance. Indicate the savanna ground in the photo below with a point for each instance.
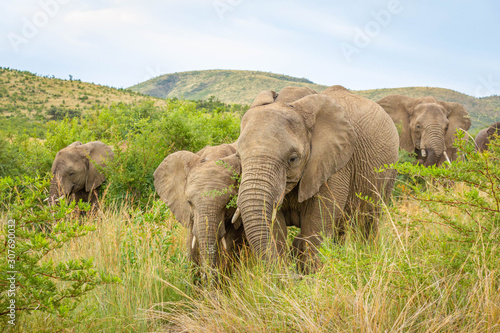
(434, 266)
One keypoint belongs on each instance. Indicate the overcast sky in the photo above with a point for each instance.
(359, 44)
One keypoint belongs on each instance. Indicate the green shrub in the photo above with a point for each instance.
(30, 279)
(149, 134)
(459, 204)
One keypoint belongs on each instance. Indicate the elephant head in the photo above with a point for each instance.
(197, 189)
(483, 137)
(427, 126)
(76, 170)
(287, 144)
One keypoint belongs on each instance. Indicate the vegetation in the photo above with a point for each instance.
(30, 279)
(435, 265)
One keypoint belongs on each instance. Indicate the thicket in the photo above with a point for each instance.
(142, 136)
(29, 279)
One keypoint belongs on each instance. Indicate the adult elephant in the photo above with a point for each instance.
(197, 188)
(77, 171)
(484, 136)
(427, 126)
(309, 163)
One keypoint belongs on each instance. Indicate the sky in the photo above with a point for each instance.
(359, 44)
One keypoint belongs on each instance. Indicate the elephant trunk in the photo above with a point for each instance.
(262, 186)
(434, 145)
(54, 191)
(432, 157)
(207, 225)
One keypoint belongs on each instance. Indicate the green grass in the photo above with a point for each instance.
(403, 281)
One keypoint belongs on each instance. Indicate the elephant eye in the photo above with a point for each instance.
(446, 128)
(189, 202)
(419, 127)
(293, 158)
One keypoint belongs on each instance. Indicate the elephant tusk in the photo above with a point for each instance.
(193, 242)
(424, 153)
(446, 156)
(224, 243)
(236, 215)
(273, 217)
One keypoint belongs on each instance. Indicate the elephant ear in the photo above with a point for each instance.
(458, 118)
(398, 108)
(203, 150)
(214, 153)
(97, 154)
(170, 182)
(263, 98)
(234, 162)
(495, 128)
(292, 94)
(333, 140)
(75, 144)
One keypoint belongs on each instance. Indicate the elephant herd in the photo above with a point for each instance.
(302, 159)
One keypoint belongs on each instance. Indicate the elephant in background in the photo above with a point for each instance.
(484, 136)
(76, 171)
(427, 126)
(310, 155)
(186, 182)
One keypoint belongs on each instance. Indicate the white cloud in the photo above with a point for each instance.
(107, 17)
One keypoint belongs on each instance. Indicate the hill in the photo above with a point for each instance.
(236, 86)
(229, 86)
(26, 94)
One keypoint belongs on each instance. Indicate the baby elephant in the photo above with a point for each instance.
(484, 136)
(197, 189)
(76, 171)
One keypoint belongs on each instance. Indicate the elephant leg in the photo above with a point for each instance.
(365, 214)
(323, 215)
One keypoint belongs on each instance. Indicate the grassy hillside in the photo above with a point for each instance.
(37, 97)
(227, 85)
(241, 87)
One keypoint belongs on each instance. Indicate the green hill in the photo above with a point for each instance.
(236, 86)
(239, 87)
(26, 94)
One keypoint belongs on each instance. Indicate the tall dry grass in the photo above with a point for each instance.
(406, 280)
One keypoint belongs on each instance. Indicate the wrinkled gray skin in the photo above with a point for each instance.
(484, 136)
(75, 176)
(311, 153)
(427, 126)
(184, 181)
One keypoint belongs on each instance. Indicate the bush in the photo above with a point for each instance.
(459, 205)
(30, 280)
(148, 133)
